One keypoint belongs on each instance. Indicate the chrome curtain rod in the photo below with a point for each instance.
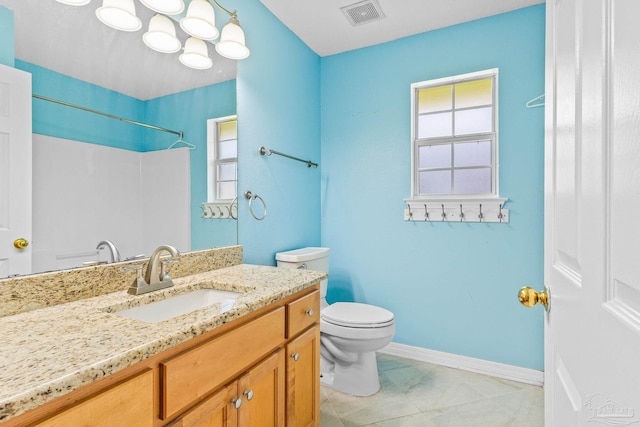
(309, 163)
(122, 119)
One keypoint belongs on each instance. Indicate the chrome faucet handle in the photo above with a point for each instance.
(163, 267)
(139, 281)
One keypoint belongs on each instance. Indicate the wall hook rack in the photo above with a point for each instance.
(269, 152)
(468, 210)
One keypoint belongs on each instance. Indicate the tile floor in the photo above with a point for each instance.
(419, 394)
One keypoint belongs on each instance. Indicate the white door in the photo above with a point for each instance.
(592, 200)
(15, 171)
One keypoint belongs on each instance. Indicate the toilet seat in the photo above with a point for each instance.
(356, 315)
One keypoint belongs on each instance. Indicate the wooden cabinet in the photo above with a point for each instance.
(191, 375)
(261, 370)
(274, 393)
(303, 379)
(128, 403)
(303, 313)
(216, 410)
(262, 392)
(256, 399)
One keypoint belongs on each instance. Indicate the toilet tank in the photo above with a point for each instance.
(311, 258)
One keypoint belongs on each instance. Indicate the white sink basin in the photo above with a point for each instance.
(181, 304)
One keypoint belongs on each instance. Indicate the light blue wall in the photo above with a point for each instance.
(189, 111)
(279, 108)
(6, 37)
(451, 286)
(70, 123)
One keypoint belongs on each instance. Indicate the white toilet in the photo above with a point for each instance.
(350, 333)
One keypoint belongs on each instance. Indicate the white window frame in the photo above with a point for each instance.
(493, 136)
(213, 161)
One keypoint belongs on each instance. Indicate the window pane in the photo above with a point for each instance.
(435, 182)
(227, 149)
(228, 130)
(476, 153)
(434, 99)
(226, 190)
(432, 125)
(434, 156)
(227, 172)
(474, 93)
(473, 121)
(472, 181)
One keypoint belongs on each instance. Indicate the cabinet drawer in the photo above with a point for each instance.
(193, 374)
(129, 403)
(302, 313)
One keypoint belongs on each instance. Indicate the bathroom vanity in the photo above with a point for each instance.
(252, 363)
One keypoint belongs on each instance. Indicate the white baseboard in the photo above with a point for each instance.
(494, 369)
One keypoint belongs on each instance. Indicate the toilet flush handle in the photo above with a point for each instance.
(303, 266)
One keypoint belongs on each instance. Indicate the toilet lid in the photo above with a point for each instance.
(356, 315)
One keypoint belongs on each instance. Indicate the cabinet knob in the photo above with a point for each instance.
(309, 312)
(249, 394)
(236, 402)
(295, 356)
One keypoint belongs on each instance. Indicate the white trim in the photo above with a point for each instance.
(486, 367)
(212, 155)
(477, 75)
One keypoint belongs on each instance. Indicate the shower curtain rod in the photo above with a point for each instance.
(122, 119)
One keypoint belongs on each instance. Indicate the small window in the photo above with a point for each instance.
(222, 156)
(454, 137)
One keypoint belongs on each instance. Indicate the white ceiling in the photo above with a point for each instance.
(325, 29)
(71, 40)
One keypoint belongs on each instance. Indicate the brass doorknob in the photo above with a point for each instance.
(530, 297)
(20, 243)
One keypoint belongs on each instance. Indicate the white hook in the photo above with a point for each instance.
(410, 213)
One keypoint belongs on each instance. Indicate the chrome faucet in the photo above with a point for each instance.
(156, 276)
(115, 255)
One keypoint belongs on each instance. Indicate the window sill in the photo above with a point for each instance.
(456, 209)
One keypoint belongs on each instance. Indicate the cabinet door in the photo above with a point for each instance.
(128, 403)
(215, 411)
(262, 392)
(303, 380)
(192, 375)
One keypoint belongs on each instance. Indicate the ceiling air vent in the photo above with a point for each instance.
(363, 12)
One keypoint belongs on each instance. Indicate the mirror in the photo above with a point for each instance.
(75, 58)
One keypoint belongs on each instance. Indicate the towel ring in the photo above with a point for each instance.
(249, 195)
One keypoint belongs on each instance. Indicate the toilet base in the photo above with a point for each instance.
(358, 379)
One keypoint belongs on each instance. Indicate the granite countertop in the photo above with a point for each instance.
(48, 352)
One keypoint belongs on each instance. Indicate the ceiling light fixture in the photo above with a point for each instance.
(232, 44)
(168, 7)
(74, 2)
(196, 54)
(119, 14)
(200, 20)
(199, 23)
(161, 36)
